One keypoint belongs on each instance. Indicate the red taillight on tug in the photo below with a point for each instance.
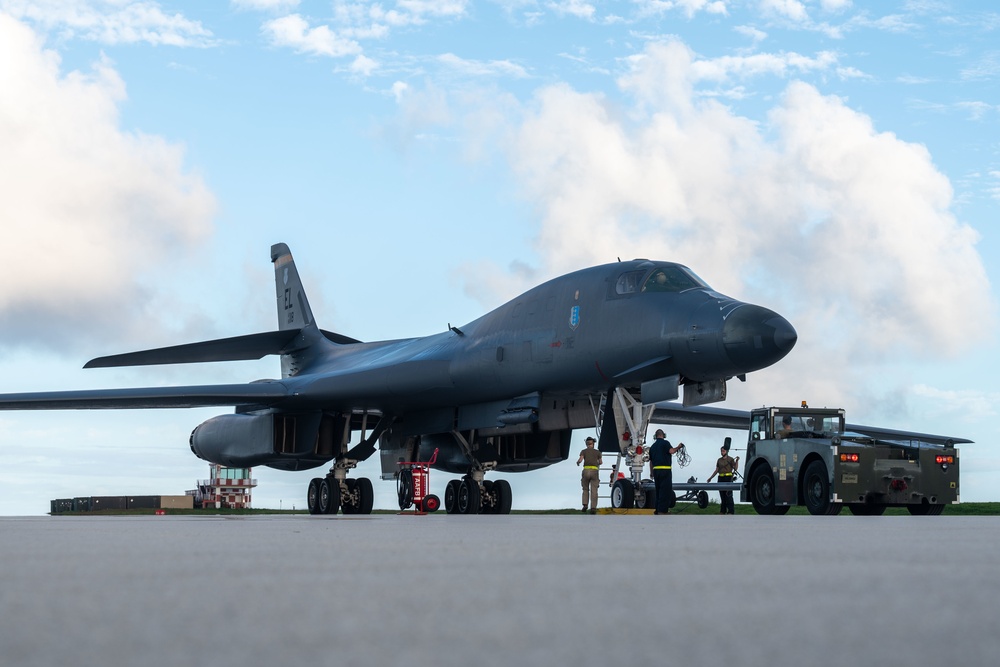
(944, 460)
(849, 458)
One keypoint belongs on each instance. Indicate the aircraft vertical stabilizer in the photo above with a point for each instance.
(293, 307)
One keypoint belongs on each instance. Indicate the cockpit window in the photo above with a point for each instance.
(671, 279)
(628, 283)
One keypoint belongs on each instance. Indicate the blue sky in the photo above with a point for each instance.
(838, 162)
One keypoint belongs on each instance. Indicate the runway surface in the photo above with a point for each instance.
(499, 590)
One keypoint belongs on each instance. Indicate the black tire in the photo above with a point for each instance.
(469, 497)
(623, 494)
(312, 495)
(925, 509)
(864, 509)
(703, 499)
(762, 491)
(504, 495)
(366, 496)
(816, 490)
(451, 496)
(489, 505)
(404, 488)
(641, 499)
(329, 496)
(348, 503)
(430, 503)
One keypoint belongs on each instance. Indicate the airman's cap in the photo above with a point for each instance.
(659, 433)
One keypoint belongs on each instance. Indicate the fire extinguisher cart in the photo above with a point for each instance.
(413, 484)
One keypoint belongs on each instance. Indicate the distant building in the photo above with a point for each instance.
(226, 488)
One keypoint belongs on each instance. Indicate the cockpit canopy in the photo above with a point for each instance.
(658, 278)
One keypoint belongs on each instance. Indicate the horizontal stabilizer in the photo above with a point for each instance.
(238, 348)
(254, 394)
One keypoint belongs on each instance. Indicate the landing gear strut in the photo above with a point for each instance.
(631, 418)
(473, 494)
(327, 495)
(469, 496)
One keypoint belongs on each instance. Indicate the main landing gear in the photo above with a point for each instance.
(468, 496)
(474, 494)
(327, 495)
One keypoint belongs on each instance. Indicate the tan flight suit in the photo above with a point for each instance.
(591, 476)
(726, 466)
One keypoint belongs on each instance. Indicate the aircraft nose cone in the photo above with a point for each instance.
(755, 337)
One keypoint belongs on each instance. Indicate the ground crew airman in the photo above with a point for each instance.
(725, 468)
(662, 464)
(590, 480)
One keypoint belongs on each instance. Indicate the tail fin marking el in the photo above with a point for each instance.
(293, 306)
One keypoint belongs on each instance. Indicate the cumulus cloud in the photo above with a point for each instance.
(845, 229)
(87, 207)
(791, 9)
(295, 32)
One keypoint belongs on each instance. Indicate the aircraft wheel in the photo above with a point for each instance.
(329, 496)
(762, 490)
(816, 491)
(489, 498)
(451, 496)
(404, 488)
(349, 502)
(366, 495)
(469, 497)
(640, 498)
(312, 495)
(623, 494)
(703, 499)
(504, 495)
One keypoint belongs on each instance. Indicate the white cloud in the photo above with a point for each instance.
(87, 207)
(790, 9)
(577, 8)
(950, 404)
(482, 68)
(755, 35)
(364, 65)
(835, 5)
(688, 7)
(265, 5)
(846, 230)
(293, 31)
(111, 21)
(995, 189)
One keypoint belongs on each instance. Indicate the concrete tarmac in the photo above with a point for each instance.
(499, 590)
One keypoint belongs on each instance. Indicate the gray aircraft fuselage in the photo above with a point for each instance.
(502, 392)
(573, 335)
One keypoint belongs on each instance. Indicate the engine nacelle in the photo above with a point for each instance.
(282, 441)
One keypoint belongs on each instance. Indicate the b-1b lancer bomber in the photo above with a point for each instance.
(501, 393)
